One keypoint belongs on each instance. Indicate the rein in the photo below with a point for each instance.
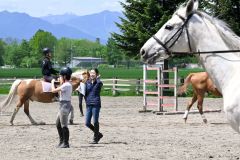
(203, 52)
(180, 30)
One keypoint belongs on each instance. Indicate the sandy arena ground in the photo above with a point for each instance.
(127, 134)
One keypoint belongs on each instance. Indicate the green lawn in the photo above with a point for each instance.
(106, 73)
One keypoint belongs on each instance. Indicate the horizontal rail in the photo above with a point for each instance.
(124, 80)
(149, 92)
(152, 104)
(167, 85)
(151, 81)
(168, 105)
(167, 97)
(122, 85)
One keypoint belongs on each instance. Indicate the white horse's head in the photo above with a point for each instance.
(172, 36)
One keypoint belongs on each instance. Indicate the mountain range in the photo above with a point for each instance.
(98, 25)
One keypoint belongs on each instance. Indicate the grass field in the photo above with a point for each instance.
(122, 73)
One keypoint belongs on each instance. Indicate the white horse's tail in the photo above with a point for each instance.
(11, 95)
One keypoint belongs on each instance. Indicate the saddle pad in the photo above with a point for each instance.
(46, 86)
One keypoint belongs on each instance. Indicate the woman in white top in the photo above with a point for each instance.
(65, 106)
(81, 94)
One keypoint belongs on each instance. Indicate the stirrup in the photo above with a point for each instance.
(55, 99)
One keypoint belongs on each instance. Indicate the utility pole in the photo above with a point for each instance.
(54, 56)
(71, 57)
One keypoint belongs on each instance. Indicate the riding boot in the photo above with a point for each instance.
(65, 143)
(81, 110)
(91, 127)
(60, 133)
(97, 135)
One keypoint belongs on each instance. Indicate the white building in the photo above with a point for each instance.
(85, 61)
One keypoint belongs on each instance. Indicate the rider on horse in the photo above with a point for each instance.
(47, 69)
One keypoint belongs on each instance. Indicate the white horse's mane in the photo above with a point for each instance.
(227, 35)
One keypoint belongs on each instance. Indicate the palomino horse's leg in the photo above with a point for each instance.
(200, 107)
(194, 99)
(15, 111)
(26, 110)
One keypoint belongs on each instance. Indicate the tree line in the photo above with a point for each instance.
(28, 53)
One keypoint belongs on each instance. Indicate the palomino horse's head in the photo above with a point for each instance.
(81, 75)
(173, 35)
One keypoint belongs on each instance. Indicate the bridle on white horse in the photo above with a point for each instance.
(178, 34)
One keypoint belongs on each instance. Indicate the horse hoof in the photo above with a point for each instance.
(205, 121)
(185, 120)
(11, 124)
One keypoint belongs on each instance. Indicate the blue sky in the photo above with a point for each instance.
(38, 8)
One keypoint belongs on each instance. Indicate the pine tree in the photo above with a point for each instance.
(143, 18)
(227, 10)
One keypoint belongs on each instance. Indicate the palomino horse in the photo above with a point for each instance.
(32, 90)
(190, 31)
(201, 83)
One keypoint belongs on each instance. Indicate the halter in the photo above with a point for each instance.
(178, 33)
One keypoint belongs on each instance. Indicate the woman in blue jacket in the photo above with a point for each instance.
(93, 103)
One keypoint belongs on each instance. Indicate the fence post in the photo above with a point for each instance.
(138, 82)
(175, 88)
(114, 87)
(144, 87)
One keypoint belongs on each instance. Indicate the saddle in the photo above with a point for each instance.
(47, 86)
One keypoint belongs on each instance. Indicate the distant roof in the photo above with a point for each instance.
(82, 58)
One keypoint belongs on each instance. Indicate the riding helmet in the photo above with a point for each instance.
(46, 50)
(66, 71)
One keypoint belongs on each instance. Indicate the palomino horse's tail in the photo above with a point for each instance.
(183, 89)
(11, 95)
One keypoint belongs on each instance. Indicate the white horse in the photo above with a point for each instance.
(192, 31)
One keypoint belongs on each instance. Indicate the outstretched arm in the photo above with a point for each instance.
(55, 90)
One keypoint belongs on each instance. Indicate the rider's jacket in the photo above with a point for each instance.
(47, 68)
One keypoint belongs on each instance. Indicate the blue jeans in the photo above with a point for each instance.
(92, 111)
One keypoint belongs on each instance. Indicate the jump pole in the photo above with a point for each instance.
(145, 92)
